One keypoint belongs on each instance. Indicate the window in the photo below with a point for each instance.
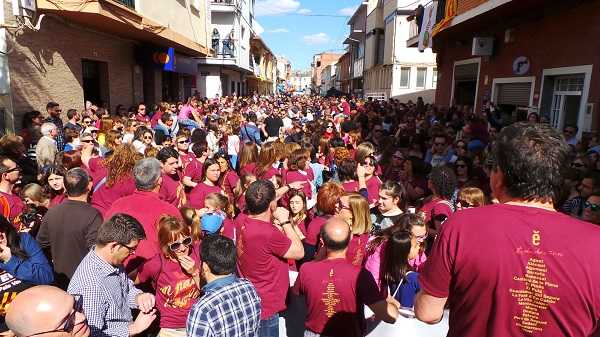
(421, 76)
(434, 78)
(404, 77)
(380, 48)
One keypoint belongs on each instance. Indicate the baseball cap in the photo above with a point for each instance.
(212, 222)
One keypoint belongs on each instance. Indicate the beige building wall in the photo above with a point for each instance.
(182, 16)
(46, 68)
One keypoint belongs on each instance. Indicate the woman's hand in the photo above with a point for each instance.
(187, 264)
(5, 253)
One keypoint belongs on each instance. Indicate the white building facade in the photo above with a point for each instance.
(301, 81)
(224, 73)
(391, 68)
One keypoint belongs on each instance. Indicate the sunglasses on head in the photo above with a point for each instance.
(68, 323)
(592, 207)
(175, 246)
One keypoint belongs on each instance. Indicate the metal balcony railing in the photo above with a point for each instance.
(413, 30)
(224, 47)
(128, 3)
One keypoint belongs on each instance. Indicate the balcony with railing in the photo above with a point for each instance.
(223, 5)
(224, 48)
(413, 34)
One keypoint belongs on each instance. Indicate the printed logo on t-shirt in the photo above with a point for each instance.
(182, 295)
(534, 298)
(330, 298)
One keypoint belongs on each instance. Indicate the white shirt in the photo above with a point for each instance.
(233, 144)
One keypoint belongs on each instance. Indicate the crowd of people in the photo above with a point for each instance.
(202, 218)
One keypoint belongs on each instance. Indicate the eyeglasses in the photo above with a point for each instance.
(68, 322)
(422, 238)
(175, 246)
(130, 249)
(16, 168)
(592, 207)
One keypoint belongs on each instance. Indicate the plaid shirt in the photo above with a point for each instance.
(230, 307)
(108, 296)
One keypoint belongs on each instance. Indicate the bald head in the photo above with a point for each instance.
(335, 234)
(43, 308)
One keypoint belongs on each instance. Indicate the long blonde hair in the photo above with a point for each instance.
(361, 218)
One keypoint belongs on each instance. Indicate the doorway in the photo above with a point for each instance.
(566, 100)
(466, 77)
(95, 82)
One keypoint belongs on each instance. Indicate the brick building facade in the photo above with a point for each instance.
(544, 56)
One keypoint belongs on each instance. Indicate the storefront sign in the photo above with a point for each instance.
(425, 37)
(521, 65)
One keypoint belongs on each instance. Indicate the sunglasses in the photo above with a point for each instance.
(89, 141)
(87, 122)
(14, 169)
(592, 207)
(147, 137)
(329, 126)
(464, 204)
(69, 321)
(175, 246)
(183, 142)
(577, 165)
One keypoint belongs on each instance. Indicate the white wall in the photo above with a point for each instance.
(404, 54)
(412, 88)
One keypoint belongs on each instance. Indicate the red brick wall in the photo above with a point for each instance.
(46, 65)
(561, 40)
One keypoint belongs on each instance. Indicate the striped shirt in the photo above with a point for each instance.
(108, 296)
(230, 307)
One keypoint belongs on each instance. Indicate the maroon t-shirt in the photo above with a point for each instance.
(293, 176)
(516, 271)
(103, 198)
(187, 158)
(16, 205)
(268, 174)
(194, 171)
(97, 170)
(350, 186)
(357, 249)
(313, 230)
(331, 289)
(373, 185)
(171, 190)
(176, 291)
(260, 249)
(57, 200)
(248, 169)
(436, 207)
(147, 208)
(228, 183)
(199, 193)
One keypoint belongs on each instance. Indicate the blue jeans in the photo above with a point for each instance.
(269, 327)
(189, 123)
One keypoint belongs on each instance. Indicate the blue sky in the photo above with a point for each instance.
(290, 31)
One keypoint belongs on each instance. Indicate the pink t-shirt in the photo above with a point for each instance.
(147, 208)
(155, 118)
(293, 176)
(260, 249)
(314, 229)
(103, 198)
(199, 193)
(513, 270)
(176, 291)
(171, 190)
(185, 112)
(373, 263)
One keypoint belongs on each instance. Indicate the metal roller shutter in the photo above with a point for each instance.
(514, 93)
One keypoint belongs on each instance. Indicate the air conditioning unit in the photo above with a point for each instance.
(483, 46)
